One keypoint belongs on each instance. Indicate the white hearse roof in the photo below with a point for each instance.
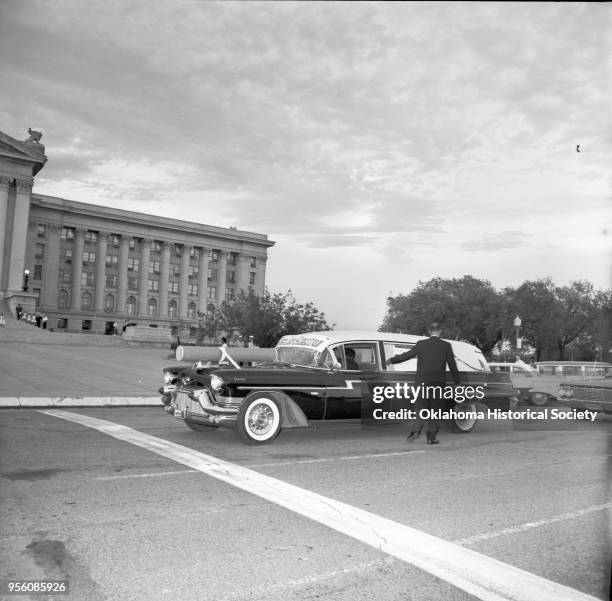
(468, 354)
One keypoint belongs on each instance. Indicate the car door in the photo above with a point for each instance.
(347, 385)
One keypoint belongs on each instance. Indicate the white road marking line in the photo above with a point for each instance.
(266, 591)
(529, 525)
(327, 459)
(481, 576)
(150, 475)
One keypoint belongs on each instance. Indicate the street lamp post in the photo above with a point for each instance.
(517, 325)
(26, 279)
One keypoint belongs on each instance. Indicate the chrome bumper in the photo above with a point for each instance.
(201, 411)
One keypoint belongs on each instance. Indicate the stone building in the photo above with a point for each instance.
(88, 266)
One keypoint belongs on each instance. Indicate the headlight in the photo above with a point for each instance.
(168, 377)
(216, 383)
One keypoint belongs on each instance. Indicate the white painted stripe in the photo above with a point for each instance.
(328, 459)
(529, 525)
(481, 576)
(151, 475)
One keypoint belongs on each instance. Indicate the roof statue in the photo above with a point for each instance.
(35, 136)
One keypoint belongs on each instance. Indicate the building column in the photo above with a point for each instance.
(260, 275)
(145, 258)
(20, 232)
(242, 280)
(124, 251)
(100, 271)
(164, 278)
(50, 274)
(5, 183)
(77, 269)
(222, 277)
(184, 282)
(203, 280)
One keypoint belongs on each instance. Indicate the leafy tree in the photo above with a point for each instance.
(553, 317)
(267, 317)
(467, 308)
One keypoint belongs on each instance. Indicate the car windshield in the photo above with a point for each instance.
(298, 355)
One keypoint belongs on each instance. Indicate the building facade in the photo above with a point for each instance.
(90, 267)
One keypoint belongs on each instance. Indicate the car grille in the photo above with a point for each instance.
(184, 403)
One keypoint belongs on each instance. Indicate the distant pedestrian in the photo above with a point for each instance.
(44, 322)
(38, 319)
(19, 311)
(2, 320)
(115, 328)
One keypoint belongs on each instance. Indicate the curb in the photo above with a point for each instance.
(108, 401)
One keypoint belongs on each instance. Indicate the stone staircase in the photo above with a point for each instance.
(16, 331)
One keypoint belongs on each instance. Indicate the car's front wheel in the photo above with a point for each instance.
(259, 420)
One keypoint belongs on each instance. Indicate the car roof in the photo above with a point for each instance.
(337, 336)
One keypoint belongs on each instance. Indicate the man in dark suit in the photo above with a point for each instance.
(433, 354)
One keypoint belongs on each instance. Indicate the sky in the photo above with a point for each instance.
(379, 144)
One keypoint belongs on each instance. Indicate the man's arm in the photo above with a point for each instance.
(403, 356)
(452, 365)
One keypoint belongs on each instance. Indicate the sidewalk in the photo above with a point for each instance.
(67, 375)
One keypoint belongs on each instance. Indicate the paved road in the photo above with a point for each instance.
(125, 523)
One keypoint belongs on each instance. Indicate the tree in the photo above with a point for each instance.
(553, 317)
(468, 309)
(267, 317)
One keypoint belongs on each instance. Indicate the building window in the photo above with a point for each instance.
(37, 275)
(86, 325)
(41, 230)
(87, 278)
(193, 271)
(175, 269)
(233, 258)
(133, 264)
(152, 307)
(212, 292)
(156, 246)
(67, 255)
(39, 251)
(109, 303)
(91, 236)
(215, 255)
(172, 309)
(132, 244)
(194, 252)
(193, 289)
(62, 300)
(230, 277)
(112, 260)
(67, 233)
(178, 250)
(253, 262)
(115, 241)
(133, 283)
(130, 305)
(229, 294)
(212, 275)
(153, 266)
(153, 285)
(89, 257)
(191, 311)
(62, 323)
(65, 275)
(86, 301)
(252, 278)
(111, 281)
(173, 286)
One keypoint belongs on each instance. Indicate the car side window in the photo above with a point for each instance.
(392, 349)
(354, 356)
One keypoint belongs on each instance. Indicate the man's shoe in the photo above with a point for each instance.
(413, 436)
(433, 441)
